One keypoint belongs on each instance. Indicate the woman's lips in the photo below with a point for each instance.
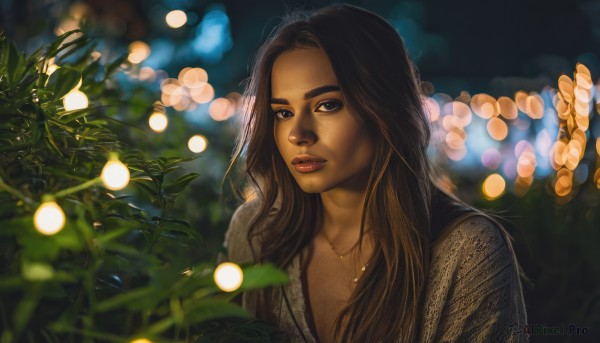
(308, 163)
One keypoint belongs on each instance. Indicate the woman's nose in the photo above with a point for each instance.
(302, 132)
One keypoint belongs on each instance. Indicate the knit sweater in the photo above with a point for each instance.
(473, 292)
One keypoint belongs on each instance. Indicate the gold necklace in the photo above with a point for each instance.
(362, 269)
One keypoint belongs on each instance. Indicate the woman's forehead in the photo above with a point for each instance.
(299, 70)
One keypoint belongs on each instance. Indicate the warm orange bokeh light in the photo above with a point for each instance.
(455, 141)
(508, 108)
(221, 109)
(431, 108)
(484, 105)
(138, 52)
(203, 94)
(565, 85)
(193, 77)
(535, 106)
(497, 128)
(493, 186)
(521, 101)
(526, 164)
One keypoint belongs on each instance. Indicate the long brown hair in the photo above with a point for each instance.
(380, 83)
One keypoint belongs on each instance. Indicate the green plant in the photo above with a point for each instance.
(120, 268)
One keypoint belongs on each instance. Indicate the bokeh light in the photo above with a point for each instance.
(497, 129)
(138, 52)
(564, 182)
(484, 105)
(491, 158)
(49, 218)
(193, 77)
(228, 276)
(493, 186)
(534, 106)
(508, 108)
(203, 95)
(221, 109)
(158, 122)
(75, 100)
(147, 74)
(431, 107)
(197, 143)
(115, 175)
(176, 19)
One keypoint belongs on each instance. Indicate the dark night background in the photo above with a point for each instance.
(497, 47)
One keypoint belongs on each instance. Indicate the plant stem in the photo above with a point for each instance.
(77, 188)
(17, 194)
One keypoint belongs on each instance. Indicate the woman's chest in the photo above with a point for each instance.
(328, 283)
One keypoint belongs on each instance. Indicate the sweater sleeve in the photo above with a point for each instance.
(484, 300)
(239, 250)
(236, 236)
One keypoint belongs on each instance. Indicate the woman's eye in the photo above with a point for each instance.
(283, 114)
(329, 106)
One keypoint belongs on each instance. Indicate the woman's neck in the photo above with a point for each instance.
(342, 213)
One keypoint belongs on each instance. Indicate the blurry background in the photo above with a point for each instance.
(511, 88)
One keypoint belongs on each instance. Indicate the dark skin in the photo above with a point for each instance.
(311, 118)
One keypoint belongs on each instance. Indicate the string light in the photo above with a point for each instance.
(228, 276)
(158, 122)
(197, 143)
(141, 340)
(49, 218)
(115, 175)
(75, 100)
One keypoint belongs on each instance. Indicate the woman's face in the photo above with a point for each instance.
(323, 144)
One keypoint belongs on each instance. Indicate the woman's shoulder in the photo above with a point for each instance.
(236, 237)
(474, 234)
(474, 290)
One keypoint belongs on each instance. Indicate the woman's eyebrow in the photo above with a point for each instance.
(310, 94)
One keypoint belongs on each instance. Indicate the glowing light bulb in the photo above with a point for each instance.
(75, 100)
(158, 122)
(141, 340)
(197, 143)
(176, 18)
(49, 218)
(228, 276)
(115, 175)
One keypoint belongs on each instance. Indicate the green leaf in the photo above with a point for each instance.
(12, 282)
(126, 299)
(68, 238)
(53, 48)
(26, 307)
(192, 233)
(208, 309)
(13, 60)
(112, 67)
(263, 275)
(36, 271)
(63, 81)
(180, 183)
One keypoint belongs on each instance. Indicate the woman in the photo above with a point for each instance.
(335, 147)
